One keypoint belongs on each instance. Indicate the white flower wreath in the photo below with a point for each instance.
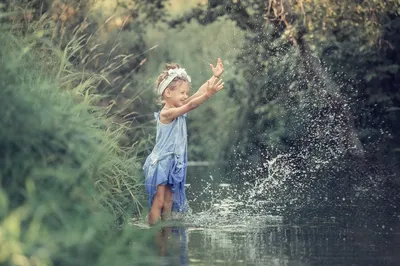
(172, 73)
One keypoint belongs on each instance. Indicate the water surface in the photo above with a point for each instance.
(222, 230)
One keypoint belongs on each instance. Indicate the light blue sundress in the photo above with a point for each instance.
(166, 164)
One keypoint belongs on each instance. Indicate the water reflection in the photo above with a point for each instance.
(172, 243)
(281, 245)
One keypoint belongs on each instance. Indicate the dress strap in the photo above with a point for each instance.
(157, 115)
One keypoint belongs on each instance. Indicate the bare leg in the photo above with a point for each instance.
(158, 204)
(167, 208)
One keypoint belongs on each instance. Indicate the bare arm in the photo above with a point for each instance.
(217, 72)
(166, 116)
(201, 90)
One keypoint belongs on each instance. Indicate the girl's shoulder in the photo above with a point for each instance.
(157, 116)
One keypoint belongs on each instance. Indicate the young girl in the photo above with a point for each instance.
(165, 167)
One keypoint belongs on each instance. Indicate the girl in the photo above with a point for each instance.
(165, 167)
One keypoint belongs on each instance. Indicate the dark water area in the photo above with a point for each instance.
(222, 230)
(321, 244)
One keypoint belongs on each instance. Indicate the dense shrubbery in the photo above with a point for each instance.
(66, 183)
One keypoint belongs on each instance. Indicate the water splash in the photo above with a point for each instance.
(321, 172)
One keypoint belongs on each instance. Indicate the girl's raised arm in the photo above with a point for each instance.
(170, 114)
(217, 72)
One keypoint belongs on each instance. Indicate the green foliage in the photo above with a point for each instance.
(65, 181)
(110, 44)
(347, 49)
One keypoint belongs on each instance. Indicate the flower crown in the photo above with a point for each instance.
(172, 74)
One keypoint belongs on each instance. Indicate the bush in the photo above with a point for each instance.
(64, 179)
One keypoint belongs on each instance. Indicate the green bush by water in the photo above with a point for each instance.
(64, 179)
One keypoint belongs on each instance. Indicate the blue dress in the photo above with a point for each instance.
(166, 164)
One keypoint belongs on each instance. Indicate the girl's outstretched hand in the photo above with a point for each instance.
(218, 69)
(214, 86)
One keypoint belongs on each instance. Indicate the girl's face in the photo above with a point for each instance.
(177, 96)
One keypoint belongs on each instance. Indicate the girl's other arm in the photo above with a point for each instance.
(201, 90)
(217, 72)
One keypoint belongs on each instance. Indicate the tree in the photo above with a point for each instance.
(319, 31)
(321, 81)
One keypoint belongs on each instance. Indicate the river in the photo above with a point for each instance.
(220, 231)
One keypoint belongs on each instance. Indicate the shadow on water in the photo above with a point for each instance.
(222, 230)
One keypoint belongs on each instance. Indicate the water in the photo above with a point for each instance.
(224, 229)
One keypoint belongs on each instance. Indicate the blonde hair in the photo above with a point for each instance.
(174, 83)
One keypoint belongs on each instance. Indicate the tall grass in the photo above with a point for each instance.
(65, 180)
